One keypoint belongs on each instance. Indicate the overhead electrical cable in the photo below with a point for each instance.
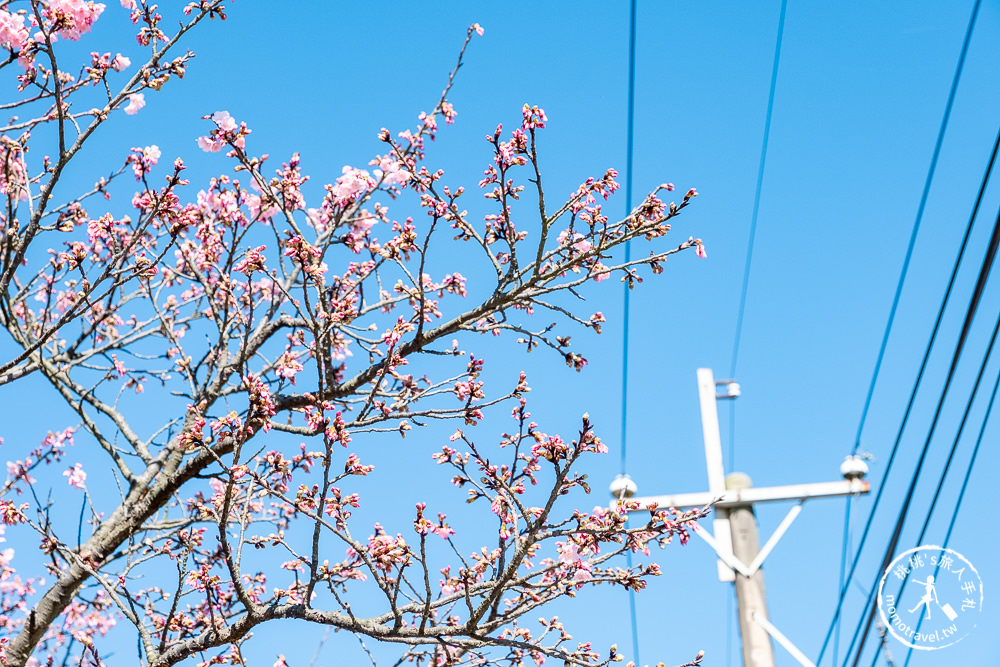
(629, 150)
(958, 435)
(965, 480)
(841, 581)
(629, 142)
(746, 270)
(944, 473)
(951, 454)
(972, 461)
(970, 315)
(954, 447)
(753, 224)
(845, 584)
(916, 222)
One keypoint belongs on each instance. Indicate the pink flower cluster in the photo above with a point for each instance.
(136, 101)
(13, 34)
(76, 476)
(580, 244)
(226, 132)
(389, 171)
(302, 252)
(253, 261)
(392, 336)
(423, 526)
(100, 64)
(230, 421)
(14, 174)
(534, 117)
(72, 18)
(385, 552)
(261, 402)
(353, 466)
(353, 184)
(288, 366)
(143, 160)
(571, 558)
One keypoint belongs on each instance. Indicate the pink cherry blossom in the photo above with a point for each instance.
(699, 249)
(76, 476)
(210, 145)
(136, 101)
(226, 131)
(143, 160)
(13, 34)
(353, 183)
(253, 261)
(14, 175)
(179, 298)
(75, 17)
(580, 243)
(390, 171)
(225, 122)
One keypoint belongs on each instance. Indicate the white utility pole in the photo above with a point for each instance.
(735, 538)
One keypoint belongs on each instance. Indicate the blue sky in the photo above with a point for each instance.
(860, 94)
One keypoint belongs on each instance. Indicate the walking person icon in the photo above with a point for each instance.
(929, 594)
(944, 578)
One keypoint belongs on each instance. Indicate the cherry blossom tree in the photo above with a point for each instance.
(275, 342)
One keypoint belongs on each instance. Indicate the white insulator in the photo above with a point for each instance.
(853, 467)
(622, 487)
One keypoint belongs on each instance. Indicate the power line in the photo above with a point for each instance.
(625, 309)
(970, 314)
(972, 461)
(965, 479)
(753, 227)
(756, 197)
(628, 211)
(954, 447)
(844, 584)
(961, 428)
(916, 222)
(845, 547)
(913, 394)
(746, 275)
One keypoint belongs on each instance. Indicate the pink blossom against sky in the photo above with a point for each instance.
(136, 101)
(859, 97)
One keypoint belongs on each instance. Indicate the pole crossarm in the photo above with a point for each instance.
(765, 494)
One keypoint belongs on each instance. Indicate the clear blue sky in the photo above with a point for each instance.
(860, 94)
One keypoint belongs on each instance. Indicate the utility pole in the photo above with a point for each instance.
(751, 596)
(735, 538)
